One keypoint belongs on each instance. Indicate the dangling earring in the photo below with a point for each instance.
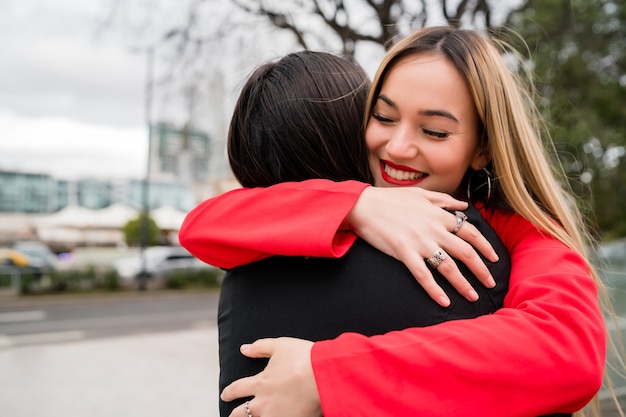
(484, 178)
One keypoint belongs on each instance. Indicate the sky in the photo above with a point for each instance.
(71, 103)
(72, 99)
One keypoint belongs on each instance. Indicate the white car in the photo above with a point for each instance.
(158, 262)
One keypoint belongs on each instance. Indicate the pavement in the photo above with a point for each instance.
(162, 374)
(156, 374)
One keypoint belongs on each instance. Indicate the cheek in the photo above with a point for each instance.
(373, 138)
(374, 164)
(450, 162)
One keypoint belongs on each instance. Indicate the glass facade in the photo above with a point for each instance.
(37, 193)
(161, 194)
(26, 193)
(94, 194)
(183, 153)
(179, 161)
(62, 195)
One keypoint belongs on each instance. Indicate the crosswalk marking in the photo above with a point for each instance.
(37, 338)
(22, 316)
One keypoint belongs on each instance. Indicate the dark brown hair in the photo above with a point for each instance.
(300, 118)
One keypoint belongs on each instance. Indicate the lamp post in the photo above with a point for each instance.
(145, 188)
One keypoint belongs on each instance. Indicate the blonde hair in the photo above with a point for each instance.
(512, 131)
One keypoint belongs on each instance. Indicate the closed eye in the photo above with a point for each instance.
(382, 118)
(440, 135)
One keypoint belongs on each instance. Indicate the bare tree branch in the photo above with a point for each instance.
(483, 7)
(279, 20)
(111, 16)
(454, 20)
(388, 28)
(190, 42)
(520, 9)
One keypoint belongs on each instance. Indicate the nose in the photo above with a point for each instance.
(403, 143)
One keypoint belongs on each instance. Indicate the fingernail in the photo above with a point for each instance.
(472, 295)
(444, 301)
(491, 282)
(244, 348)
(495, 257)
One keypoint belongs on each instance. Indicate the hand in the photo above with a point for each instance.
(410, 223)
(286, 387)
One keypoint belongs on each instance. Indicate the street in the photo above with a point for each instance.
(86, 317)
(124, 356)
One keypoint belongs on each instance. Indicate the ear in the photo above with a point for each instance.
(481, 160)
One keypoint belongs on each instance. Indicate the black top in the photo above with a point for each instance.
(365, 291)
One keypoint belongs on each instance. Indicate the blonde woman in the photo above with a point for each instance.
(444, 113)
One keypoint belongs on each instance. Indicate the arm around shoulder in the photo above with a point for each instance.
(292, 219)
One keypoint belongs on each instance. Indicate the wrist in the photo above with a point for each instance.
(355, 216)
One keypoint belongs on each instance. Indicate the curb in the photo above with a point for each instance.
(10, 300)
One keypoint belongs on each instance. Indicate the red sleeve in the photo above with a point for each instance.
(293, 219)
(542, 353)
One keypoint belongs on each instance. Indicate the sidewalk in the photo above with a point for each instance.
(156, 375)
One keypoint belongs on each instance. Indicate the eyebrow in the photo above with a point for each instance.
(429, 113)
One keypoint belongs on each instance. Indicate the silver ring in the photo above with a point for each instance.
(460, 219)
(246, 407)
(437, 258)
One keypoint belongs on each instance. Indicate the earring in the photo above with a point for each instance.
(484, 179)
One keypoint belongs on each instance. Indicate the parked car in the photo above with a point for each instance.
(39, 254)
(11, 257)
(160, 262)
(13, 261)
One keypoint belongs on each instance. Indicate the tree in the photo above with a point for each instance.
(578, 49)
(132, 231)
(373, 21)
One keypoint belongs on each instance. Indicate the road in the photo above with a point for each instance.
(127, 355)
(48, 319)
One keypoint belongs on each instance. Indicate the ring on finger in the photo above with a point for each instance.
(460, 219)
(437, 258)
(246, 407)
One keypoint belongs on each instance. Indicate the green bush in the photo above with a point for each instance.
(70, 280)
(92, 279)
(210, 278)
(111, 281)
(29, 281)
(5, 280)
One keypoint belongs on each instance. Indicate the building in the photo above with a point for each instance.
(84, 211)
(185, 166)
(27, 193)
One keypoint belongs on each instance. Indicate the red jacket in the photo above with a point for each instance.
(542, 353)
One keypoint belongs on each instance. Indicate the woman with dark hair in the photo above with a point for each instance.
(301, 118)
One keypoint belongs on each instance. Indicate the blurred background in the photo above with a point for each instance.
(113, 121)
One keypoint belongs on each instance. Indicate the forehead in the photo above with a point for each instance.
(425, 68)
(427, 79)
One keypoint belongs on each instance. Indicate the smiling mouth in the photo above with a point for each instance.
(401, 175)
